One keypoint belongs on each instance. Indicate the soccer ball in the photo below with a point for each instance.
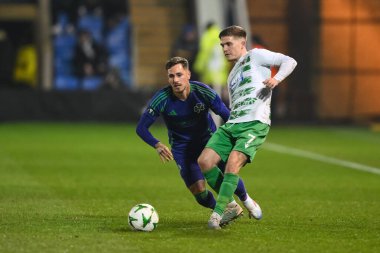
(143, 217)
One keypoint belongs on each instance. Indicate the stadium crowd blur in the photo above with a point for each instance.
(92, 45)
(91, 42)
(206, 59)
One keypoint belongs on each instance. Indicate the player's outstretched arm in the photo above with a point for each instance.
(142, 129)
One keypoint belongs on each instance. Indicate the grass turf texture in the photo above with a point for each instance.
(69, 188)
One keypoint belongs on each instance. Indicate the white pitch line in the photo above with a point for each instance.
(322, 158)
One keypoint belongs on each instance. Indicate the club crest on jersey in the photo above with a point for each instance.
(199, 107)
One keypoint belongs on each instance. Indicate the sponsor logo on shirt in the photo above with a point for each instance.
(172, 113)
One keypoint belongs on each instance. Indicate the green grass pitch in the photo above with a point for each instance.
(69, 188)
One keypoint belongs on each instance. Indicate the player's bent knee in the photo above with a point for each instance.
(203, 163)
(197, 187)
(206, 160)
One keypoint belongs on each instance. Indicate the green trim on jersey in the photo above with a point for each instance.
(243, 93)
(238, 114)
(244, 137)
(245, 102)
(161, 97)
(246, 67)
(203, 90)
(247, 79)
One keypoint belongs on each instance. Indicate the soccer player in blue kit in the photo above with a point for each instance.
(185, 105)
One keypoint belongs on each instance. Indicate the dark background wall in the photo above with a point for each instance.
(25, 105)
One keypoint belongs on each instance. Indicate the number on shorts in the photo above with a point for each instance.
(250, 140)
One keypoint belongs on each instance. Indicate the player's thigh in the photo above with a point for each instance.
(208, 159)
(249, 137)
(221, 142)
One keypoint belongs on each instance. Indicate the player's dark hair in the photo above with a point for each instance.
(177, 60)
(236, 31)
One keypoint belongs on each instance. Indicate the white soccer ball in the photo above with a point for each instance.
(143, 217)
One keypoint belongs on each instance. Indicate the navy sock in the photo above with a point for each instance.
(206, 199)
(240, 191)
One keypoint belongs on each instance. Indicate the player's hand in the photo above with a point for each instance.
(271, 83)
(164, 152)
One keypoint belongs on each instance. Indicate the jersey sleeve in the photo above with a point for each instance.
(151, 113)
(268, 58)
(219, 108)
(142, 129)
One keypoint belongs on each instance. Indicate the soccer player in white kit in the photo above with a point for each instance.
(250, 89)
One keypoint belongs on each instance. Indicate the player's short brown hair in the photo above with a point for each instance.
(234, 30)
(177, 60)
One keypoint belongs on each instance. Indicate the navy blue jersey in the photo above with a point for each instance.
(189, 121)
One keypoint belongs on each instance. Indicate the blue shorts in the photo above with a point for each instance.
(187, 162)
(189, 171)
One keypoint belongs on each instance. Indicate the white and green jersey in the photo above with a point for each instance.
(249, 98)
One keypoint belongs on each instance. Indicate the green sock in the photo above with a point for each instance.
(226, 192)
(214, 178)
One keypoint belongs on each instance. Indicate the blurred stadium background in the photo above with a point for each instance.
(334, 41)
(70, 171)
